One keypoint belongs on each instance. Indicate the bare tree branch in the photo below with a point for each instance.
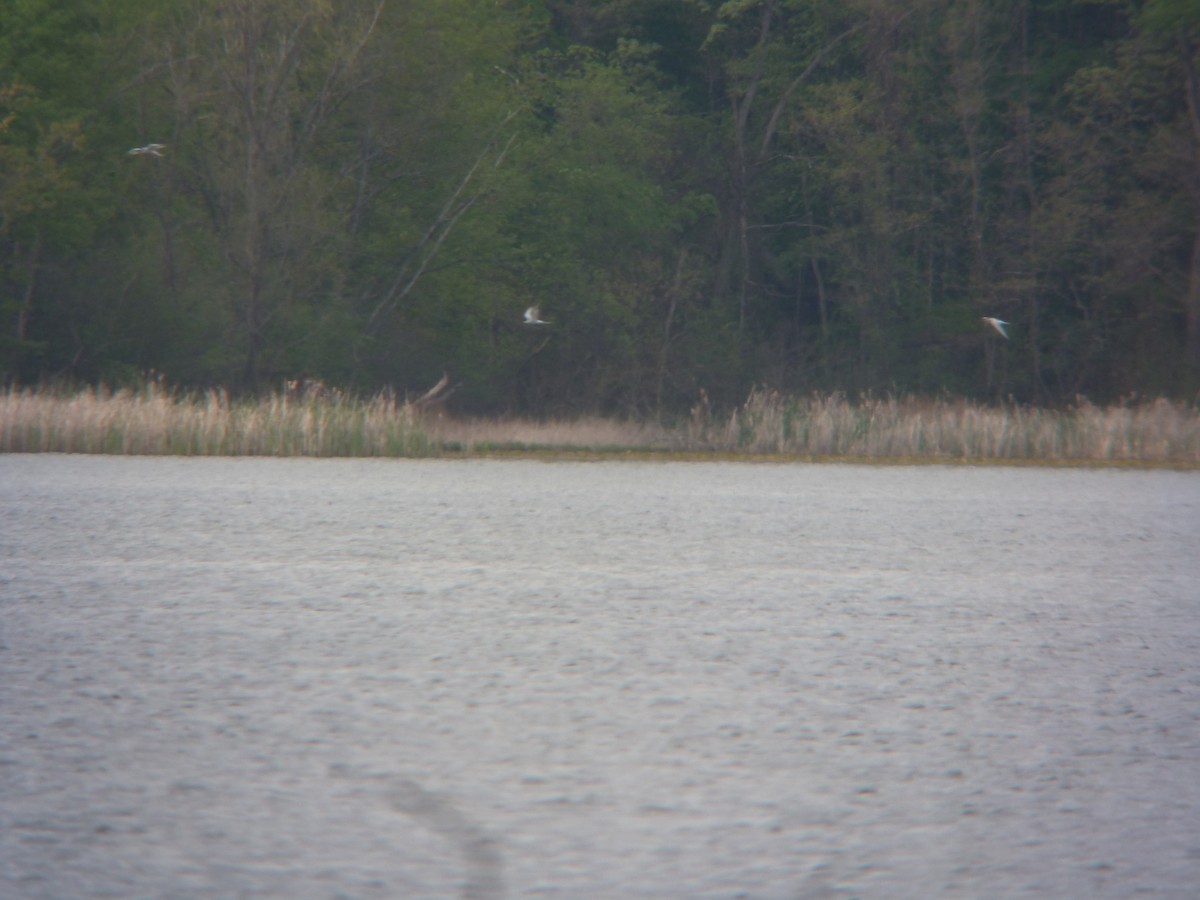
(773, 122)
(443, 223)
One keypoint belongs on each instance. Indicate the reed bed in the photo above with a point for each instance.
(156, 420)
(1153, 431)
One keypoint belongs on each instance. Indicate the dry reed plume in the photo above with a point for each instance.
(154, 420)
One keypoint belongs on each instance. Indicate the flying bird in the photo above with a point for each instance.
(531, 317)
(998, 324)
(148, 150)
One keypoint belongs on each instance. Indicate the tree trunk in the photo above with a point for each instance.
(1192, 308)
(673, 303)
(1192, 298)
(25, 310)
(741, 164)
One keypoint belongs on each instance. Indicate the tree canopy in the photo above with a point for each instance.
(699, 196)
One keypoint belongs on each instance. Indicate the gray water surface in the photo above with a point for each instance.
(302, 678)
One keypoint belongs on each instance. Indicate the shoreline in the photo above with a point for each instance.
(766, 428)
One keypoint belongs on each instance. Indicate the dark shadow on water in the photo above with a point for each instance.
(481, 854)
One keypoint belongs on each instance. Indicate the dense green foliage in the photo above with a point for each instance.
(700, 196)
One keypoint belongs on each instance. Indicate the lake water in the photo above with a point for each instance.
(497, 678)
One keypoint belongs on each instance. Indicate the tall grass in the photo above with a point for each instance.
(155, 420)
(1157, 431)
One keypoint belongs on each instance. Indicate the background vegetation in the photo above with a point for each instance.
(805, 195)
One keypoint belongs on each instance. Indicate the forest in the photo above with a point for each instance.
(699, 198)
